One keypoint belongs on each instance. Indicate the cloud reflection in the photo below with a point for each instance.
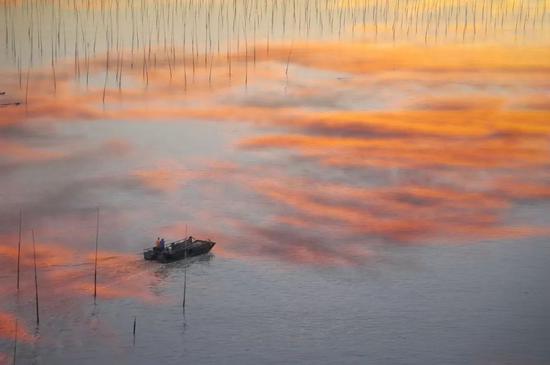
(7, 329)
(68, 272)
(370, 112)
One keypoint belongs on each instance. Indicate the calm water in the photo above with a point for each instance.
(376, 175)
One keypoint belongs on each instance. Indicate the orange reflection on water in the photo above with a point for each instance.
(426, 152)
(13, 151)
(68, 272)
(44, 250)
(410, 214)
(450, 129)
(165, 178)
(7, 329)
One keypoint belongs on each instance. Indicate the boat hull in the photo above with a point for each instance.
(179, 251)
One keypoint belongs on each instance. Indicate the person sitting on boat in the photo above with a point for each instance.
(156, 248)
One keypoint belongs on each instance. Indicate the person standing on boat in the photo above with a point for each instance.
(161, 245)
(157, 242)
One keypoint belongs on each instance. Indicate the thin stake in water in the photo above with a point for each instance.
(15, 342)
(134, 331)
(96, 247)
(184, 278)
(19, 247)
(184, 285)
(35, 280)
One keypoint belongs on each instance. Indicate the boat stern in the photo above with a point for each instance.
(149, 255)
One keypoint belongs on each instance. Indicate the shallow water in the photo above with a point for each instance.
(475, 304)
(375, 174)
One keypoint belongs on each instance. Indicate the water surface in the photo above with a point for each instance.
(376, 175)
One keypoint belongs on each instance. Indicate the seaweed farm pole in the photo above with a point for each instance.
(19, 247)
(184, 278)
(35, 279)
(95, 261)
(184, 285)
(134, 330)
(15, 342)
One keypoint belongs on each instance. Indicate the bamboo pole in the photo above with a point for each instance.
(134, 330)
(184, 284)
(184, 278)
(35, 280)
(96, 248)
(19, 247)
(15, 342)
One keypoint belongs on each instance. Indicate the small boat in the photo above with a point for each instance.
(178, 250)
